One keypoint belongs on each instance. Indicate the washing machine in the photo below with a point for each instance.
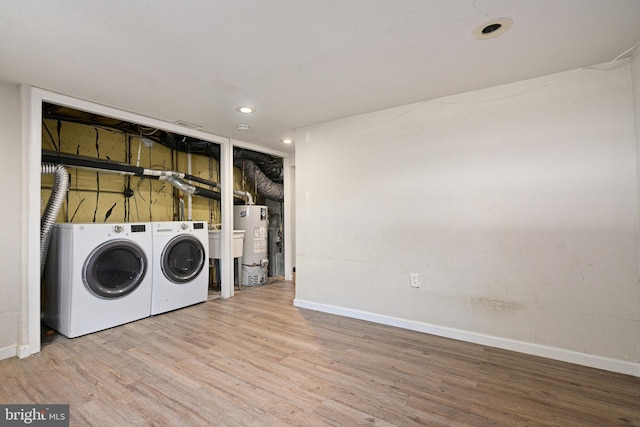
(97, 276)
(180, 264)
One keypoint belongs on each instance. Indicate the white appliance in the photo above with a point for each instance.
(97, 276)
(215, 252)
(180, 264)
(253, 219)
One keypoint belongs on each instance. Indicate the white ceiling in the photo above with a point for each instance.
(298, 62)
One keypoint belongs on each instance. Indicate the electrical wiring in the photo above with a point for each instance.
(150, 131)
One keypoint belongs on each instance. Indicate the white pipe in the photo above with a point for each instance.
(155, 172)
(139, 150)
(245, 194)
(241, 193)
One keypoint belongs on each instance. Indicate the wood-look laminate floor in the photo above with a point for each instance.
(255, 360)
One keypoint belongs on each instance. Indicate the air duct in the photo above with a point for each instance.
(60, 187)
(271, 166)
(265, 186)
(179, 184)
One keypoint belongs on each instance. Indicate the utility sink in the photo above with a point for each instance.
(214, 243)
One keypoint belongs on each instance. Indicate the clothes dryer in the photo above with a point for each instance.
(97, 276)
(180, 264)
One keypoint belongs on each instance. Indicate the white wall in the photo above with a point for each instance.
(10, 218)
(520, 214)
(635, 76)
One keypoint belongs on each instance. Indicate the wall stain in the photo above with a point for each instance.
(495, 304)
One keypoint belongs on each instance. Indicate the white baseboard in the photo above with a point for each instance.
(24, 351)
(593, 361)
(8, 351)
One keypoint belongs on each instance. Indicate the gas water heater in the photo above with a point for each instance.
(254, 220)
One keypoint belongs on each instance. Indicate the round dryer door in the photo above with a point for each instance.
(114, 269)
(182, 259)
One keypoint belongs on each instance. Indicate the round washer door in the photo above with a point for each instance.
(114, 269)
(182, 259)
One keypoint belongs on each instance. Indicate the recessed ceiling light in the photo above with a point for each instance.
(287, 141)
(493, 28)
(246, 110)
(243, 127)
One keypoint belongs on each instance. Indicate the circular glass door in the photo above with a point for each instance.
(114, 269)
(182, 259)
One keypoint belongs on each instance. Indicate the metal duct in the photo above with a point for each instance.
(179, 184)
(60, 187)
(271, 166)
(266, 186)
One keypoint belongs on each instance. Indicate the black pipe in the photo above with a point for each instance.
(207, 193)
(89, 162)
(109, 165)
(186, 144)
(200, 180)
(93, 163)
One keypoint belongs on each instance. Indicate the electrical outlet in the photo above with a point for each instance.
(414, 280)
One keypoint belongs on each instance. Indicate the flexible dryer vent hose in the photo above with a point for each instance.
(60, 187)
(266, 187)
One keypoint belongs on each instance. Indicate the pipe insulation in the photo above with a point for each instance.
(126, 169)
(58, 193)
(90, 163)
(209, 194)
(266, 187)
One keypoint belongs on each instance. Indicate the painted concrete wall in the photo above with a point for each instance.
(517, 205)
(10, 218)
